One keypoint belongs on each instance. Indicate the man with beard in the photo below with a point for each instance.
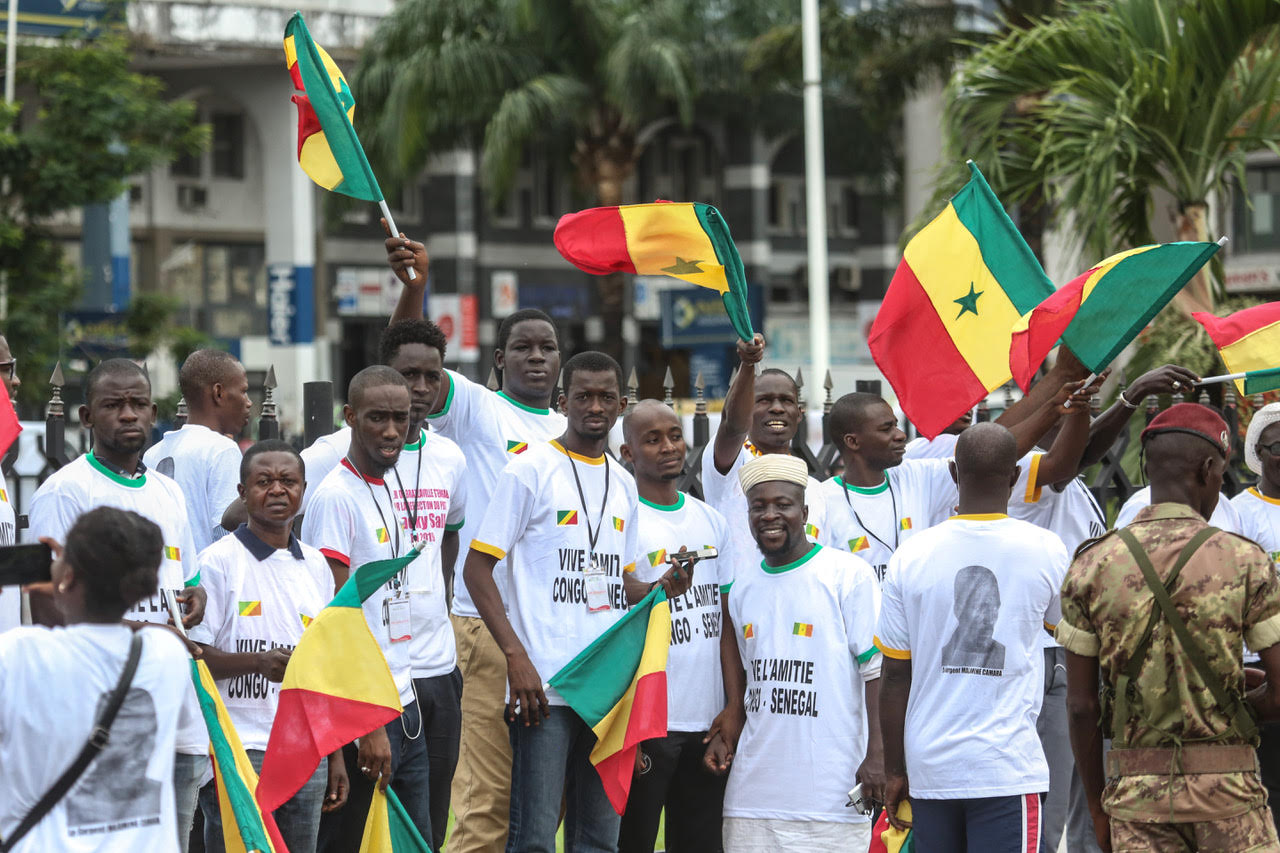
(119, 413)
(760, 417)
(564, 516)
(354, 519)
(671, 775)
(799, 726)
(202, 457)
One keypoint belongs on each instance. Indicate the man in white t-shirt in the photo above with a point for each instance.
(119, 413)
(964, 605)
(359, 514)
(54, 684)
(564, 516)
(761, 415)
(672, 776)
(264, 588)
(10, 599)
(200, 457)
(800, 726)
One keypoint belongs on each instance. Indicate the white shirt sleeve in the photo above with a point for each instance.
(631, 543)
(459, 405)
(892, 632)
(510, 508)
(330, 526)
(224, 476)
(215, 629)
(815, 501)
(52, 513)
(457, 499)
(187, 549)
(1059, 561)
(861, 607)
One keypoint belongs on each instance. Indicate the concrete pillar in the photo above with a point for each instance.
(922, 149)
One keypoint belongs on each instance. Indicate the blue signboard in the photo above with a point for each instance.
(695, 316)
(56, 17)
(290, 312)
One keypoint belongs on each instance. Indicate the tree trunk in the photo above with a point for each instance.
(1192, 223)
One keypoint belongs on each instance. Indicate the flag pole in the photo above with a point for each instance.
(391, 224)
(1225, 377)
(815, 179)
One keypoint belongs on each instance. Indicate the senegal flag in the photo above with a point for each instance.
(328, 149)
(337, 687)
(388, 828)
(245, 827)
(1099, 312)
(942, 335)
(688, 241)
(1247, 340)
(618, 686)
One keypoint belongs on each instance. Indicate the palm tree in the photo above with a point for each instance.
(1099, 109)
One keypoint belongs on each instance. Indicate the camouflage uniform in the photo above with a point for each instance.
(1227, 593)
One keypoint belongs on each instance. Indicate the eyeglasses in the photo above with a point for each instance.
(1273, 448)
(12, 366)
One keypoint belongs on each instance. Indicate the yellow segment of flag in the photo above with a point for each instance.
(668, 239)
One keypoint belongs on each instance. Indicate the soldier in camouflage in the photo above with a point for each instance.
(1161, 610)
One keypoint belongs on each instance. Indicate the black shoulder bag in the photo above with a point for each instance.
(97, 742)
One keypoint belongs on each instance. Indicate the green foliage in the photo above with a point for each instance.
(87, 124)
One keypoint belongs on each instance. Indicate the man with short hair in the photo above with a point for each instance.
(356, 518)
(264, 588)
(761, 416)
(564, 516)
(800, 726)
(672, 776)
(201, 457)
(119, 413)
(1161, 610)
(964, 605)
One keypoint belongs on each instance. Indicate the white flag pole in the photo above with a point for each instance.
(1225, 377)
(395, 232)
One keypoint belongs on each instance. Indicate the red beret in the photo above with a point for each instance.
(1195, 419)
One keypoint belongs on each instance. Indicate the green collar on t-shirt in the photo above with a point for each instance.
(117, 476)
(666, 507)
(868, 490)
(777, 570)
(417, 445)
(519, 405)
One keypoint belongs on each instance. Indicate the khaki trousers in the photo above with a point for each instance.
(481, 794)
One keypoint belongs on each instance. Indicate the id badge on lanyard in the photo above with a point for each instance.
(596, 584)
(398, 618)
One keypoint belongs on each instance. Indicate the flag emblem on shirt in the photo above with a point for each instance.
(517, 447)
(802, 629)
(657, 558)
(250, 608)
(381, 533)
(306, 620)
(4, 496)
(617, 524)
(859, 544)
(811, 530)
(565, 517)
(905, 524)
(172, 553)
(748, 630)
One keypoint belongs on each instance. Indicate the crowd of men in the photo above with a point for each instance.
(944, 632)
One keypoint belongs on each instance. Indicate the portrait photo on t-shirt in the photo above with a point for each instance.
(972, 648)
(115, 792)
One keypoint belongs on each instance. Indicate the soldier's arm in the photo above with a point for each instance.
(1265, 698)
(1084, 712)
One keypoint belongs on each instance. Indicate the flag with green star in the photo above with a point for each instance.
(328, 149)
(688, 241)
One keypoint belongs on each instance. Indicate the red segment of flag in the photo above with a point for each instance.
(1048, 321)
(9, 426)
(595, 240)
(308, 122)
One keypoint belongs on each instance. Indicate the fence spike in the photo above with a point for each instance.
(700, 395)
(800, 387)
(180, 416)
(492, 383)
(668, 387)
(268, 421)
(828, 402)
(57, 380)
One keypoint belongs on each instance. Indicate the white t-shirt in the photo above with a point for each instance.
(723, 492)
(805, 631)
(871, 522)
(695, 690)
(52, 682)
(206, 466)
(86, 483)
(353, 519)
(321, 457)
(1259, 519)
(941, 447)
(971, 717)
(10, 597)
(260, 598)
(540, 524)
(492, 429)
(427, 486)
(1225, 516)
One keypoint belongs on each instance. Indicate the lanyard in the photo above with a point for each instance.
(896, 523)
(411, 504)
(395, 548)
(592, 535)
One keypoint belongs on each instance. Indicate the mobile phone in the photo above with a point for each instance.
(706, 552)
(858, 801)
(24, 564)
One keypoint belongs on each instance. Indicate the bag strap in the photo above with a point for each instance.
(97, 742)
(1244, 724)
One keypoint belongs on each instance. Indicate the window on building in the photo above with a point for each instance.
(228, 145)
(186, 166)
(1256, 216)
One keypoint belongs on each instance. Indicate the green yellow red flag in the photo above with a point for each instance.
(388, 828)
(688, 241)
(1248, 341)
(618, 686)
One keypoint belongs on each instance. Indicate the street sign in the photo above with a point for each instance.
(57, 17)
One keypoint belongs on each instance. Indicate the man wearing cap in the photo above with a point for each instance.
(800, 726)
(1259, 510)
(1160, 609)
